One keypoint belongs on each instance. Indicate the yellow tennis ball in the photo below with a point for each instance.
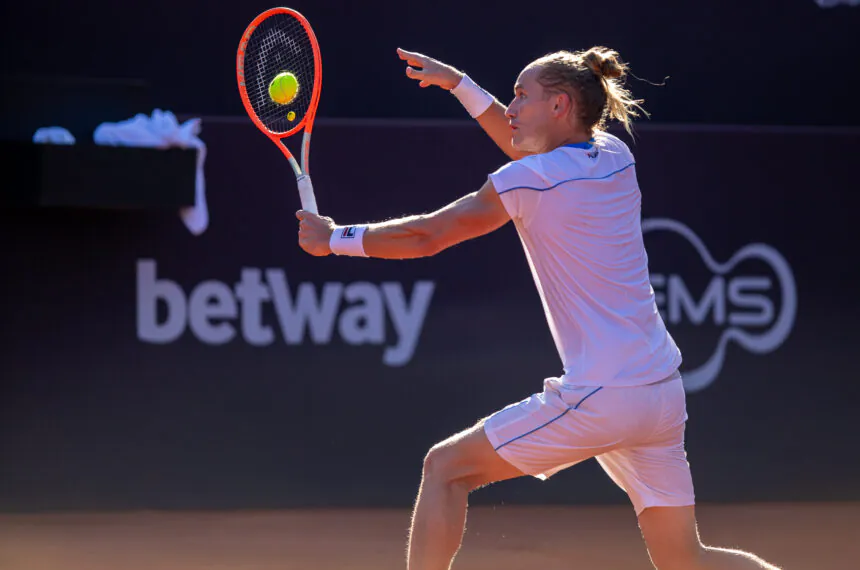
(291, 116)
(283, 88)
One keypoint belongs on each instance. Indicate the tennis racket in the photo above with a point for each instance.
(277, 44)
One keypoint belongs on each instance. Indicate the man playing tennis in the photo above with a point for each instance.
(572, 193)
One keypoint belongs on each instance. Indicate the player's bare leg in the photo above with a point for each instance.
(673, 543)
(452, 469)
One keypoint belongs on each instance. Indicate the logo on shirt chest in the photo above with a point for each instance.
(751, 299)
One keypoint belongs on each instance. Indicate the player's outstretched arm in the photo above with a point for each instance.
(424, 235)
(482, 106)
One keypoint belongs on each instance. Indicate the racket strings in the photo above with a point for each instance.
(280, 43)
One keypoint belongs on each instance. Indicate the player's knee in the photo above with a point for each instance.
(671, 537)
(437, 463)
(688, 557)
(442, 465)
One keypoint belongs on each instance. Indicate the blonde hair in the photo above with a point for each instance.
(594, 79)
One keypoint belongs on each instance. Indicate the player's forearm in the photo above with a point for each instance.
(496, 125)
(489, 113)
(404, 238)
(418, 236)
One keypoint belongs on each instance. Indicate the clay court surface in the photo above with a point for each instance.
(798, 536)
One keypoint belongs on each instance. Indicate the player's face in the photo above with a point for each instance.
(530, 114)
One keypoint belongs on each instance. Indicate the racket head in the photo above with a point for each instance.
(279, 40)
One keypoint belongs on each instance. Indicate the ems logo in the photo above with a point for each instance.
(749, 300)
(348, 232)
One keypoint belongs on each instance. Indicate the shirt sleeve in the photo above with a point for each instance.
(520, 188)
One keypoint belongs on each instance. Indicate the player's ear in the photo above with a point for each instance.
(561, 104)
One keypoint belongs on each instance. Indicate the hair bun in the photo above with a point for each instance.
(604, 62)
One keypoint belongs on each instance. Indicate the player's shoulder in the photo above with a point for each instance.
(528, 172)
(603, 154)
(611, 143)
(538, 171)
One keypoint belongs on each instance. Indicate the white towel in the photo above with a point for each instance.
(53, 135)
(161, 130)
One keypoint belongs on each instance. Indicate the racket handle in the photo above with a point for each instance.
(306, 194)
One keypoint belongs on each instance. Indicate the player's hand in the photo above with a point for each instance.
(315, 233)
(432, 72)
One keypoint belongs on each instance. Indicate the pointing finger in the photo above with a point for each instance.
(412, 58)
(407, 54)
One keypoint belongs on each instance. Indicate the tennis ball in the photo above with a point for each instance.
(283, 88)
(291, 116)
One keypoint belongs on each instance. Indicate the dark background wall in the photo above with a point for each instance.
(734, 61)
(95, 413)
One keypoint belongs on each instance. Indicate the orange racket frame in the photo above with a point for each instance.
(302, 171)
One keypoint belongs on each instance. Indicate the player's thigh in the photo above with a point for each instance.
(468, 457)
(671, 536)
(538, 436)
(653, 469)
(651, 477)
(555, 429)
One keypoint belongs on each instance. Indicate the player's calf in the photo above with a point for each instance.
(713, 558)
(707, 558)
(673, 543)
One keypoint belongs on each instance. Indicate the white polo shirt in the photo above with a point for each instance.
(577, 210)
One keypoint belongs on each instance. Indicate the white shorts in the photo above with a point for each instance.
(636, 434)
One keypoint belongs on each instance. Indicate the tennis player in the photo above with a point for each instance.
(572, 193)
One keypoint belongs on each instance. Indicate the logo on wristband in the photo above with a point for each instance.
(348, 232)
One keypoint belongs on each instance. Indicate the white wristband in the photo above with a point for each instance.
(348, 240)
(473, 98)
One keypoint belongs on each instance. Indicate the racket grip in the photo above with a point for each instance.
(306, 194)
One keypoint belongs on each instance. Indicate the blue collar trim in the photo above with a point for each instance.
(585, 145)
